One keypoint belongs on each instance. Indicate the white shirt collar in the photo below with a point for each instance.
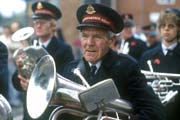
(45, 44)
(165, 49)
(98, 64)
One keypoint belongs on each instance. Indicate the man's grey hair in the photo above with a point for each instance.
(109, 34)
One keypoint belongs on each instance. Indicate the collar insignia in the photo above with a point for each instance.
(39, 5)
(90, 9)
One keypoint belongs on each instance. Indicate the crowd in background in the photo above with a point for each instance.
(147, 36)
(134, 40)
(13, 96)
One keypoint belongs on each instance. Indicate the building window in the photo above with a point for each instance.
(106, 2)
(90, 1)
(110, 3)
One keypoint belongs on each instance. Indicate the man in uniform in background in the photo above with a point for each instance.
(97, 24)
(129, 44)
(152, 36)
(45, 16)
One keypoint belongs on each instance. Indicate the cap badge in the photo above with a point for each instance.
(39, 5)
(90, 9)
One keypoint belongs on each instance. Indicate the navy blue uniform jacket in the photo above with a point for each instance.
(136, 47)
(131, 84)
(3, 70)
(160, 62)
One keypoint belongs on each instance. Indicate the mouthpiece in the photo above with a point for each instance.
(77, 72)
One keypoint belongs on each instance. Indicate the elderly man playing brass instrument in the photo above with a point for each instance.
(98, 24)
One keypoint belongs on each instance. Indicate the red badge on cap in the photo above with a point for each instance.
(157, 61)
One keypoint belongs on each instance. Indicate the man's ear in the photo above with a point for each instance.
(112, 41)
(53, 25)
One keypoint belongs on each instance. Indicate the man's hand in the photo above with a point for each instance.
(24, 82)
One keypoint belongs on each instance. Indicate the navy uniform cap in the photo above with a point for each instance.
(45, 10)
(176, 11)
(129, 23)
(97, 15)
(149, 27)
(152, 33)
(127, 16)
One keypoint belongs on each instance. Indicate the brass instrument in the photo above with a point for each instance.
(51, 89)
(27, 57)
(22, 35)
(116, 107)
(5, 109)
(163, 84)
(42, 85)
(77, 72)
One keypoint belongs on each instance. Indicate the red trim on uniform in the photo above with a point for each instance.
(99, 19)
(44, 11)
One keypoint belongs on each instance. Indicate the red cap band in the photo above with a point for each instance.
(99, 19)
(44, 11)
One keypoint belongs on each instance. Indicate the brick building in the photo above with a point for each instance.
(141, 10)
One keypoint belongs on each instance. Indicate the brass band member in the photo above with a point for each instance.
(45, 16)
(166, 56)
(132, 46)
(97, 24)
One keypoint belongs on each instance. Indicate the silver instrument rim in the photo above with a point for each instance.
(40, 104)
(22, 34)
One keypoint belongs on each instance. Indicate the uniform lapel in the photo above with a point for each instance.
(103, 72)
(108, 66)
(158, 51)
(84, 68)
(52, 46)
(108, 60)
(177, 50)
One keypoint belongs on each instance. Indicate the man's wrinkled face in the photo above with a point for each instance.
(127, 32)
(95, 43)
